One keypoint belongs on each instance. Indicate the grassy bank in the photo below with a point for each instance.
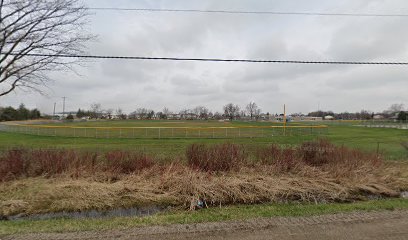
(230, 213)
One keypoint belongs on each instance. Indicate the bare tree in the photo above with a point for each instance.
(95, 110)
(120, 114)
(253, 110)
(33, 36)
(396, 108)
(109, 113)
(231, 111)
(166, 111)
(201, 112)
(142, 113)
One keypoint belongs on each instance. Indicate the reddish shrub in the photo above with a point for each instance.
(223, 157)
(320, 153)
(18, 163)
(287, 160)
(317, 153)
(49, 162)
(126, 162)
(283, 159)
(269, 154)
(12, 164)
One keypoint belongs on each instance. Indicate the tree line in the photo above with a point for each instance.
(21, 113)
(230, 111)
(396, 111)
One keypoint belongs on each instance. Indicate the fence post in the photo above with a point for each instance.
(213, 132)
(226, 132)
(159, 133)
(96, 133)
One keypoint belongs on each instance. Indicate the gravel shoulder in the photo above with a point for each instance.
(359, 225)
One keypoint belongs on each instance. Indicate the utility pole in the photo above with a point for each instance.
(284, 119)
(53, 114)
(63, 107)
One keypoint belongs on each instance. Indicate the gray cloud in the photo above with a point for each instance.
(178, 85)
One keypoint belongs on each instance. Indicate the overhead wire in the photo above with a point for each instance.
(216, 59)
(231, 60)
(246, 12)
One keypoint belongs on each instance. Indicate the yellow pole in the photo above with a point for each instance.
(284, 119)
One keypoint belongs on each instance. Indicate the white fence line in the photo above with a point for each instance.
(164, 132)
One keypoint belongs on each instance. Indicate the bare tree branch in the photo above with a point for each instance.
(51, 27)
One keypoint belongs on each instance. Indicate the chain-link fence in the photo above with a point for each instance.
(165, 132)
(386, 124)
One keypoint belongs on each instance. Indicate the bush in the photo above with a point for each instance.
(12, 164)
(223, 157)
(126, 162)
(17, 163)
(318, 153)
(322, 154)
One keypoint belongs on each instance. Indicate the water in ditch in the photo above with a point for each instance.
(120, 212)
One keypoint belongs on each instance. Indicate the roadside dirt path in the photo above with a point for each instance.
(373, 226)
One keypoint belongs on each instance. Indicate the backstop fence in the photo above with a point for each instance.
(165, 132)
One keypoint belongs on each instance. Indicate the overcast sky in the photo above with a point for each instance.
(179, 85)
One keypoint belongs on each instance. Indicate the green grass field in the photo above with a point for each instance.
(386, 141)
(167, 129)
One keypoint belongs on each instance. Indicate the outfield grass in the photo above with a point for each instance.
(230, 213)
(166, 129)
(387, 141)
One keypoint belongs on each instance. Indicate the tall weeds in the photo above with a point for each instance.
(18, 163)
(322, 155)
(223, 157)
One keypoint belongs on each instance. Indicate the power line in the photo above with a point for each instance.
(246, 12)
(214, 59)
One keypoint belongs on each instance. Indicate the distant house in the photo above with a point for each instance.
(311, 119)
(378, 117)
(301, 117)
(189, 116)
(172, 116)
(264, 116)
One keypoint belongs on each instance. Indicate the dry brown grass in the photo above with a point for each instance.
(178, 185)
